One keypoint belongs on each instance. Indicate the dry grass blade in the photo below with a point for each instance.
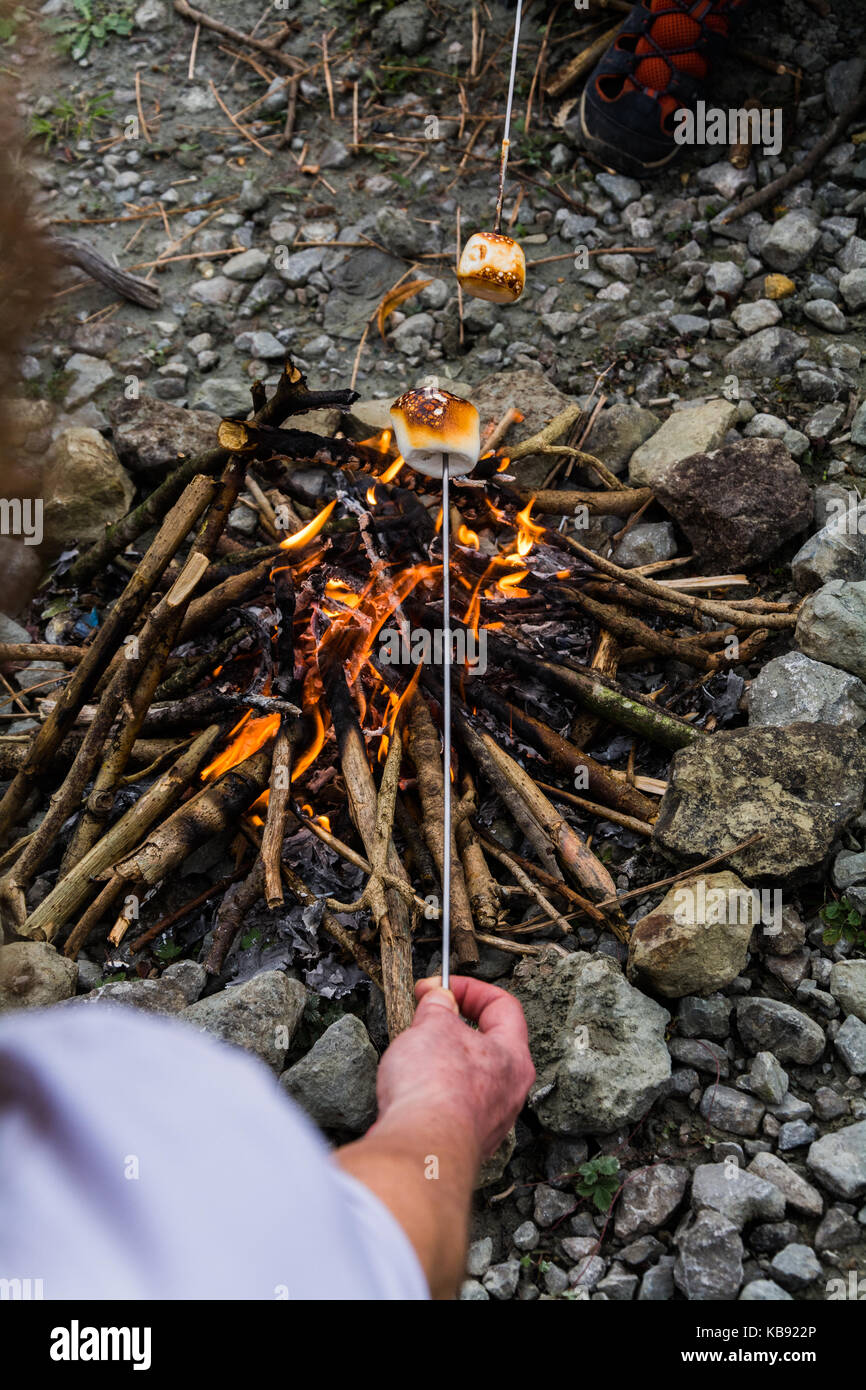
(394, 298)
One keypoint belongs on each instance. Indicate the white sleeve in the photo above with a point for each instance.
(141, 1159)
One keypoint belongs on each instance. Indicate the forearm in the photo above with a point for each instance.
(423, 1168)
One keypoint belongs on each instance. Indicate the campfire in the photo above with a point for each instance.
(292, 693)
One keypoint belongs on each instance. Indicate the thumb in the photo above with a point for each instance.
(436, 999)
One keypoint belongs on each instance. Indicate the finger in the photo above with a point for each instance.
(436, 998)
(494, 1010)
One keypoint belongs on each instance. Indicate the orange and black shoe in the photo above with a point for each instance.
(656, 65)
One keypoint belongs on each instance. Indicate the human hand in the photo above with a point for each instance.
(477, 1078)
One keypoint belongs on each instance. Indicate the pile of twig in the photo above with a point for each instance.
(289, 634)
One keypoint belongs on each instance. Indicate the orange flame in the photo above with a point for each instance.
(336, 589)
(251, 735)
(311, 529)
(380, 442)
(393, 469)
(529, 531)
(310, 754)
(371, 496)
(467, 537)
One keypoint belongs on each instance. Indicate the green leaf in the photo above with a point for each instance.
(832, 935)
(853, 918)
(830, 911)
(607, 1164)
(601, 1198)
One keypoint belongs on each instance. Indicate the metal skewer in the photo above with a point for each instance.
(446, 726)
(506, 141)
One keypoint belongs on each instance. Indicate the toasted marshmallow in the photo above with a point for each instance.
(492, 266)
(429, 423)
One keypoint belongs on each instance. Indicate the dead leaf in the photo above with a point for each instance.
(394, 298)
(564, 112)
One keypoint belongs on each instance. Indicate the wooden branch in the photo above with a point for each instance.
(481, 886)
(267, 46)
(426, 754)
(395, 929)
(619, 502)
(238, 901)
(581, 64)
(275, 823)
(66, 897)
(117, 623)
(130, 286)
(40, 651)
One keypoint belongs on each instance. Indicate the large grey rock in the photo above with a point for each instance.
(839, 1161)
(794, 689)
(831, 625)
(85, 487)
(685, 432)
(597, 1043)
(768, 1025)
(151, 436)
(645, 544)
(738, 504)
(704, 1018)
(537, 399)
(837, 551)
(848, 985)
(160, 996)
(790, 242)
(336, 1082)
(798, 1193)
(796, 786)
(222, 395)
(261, 1015)
(767, 1079)
(770, 352)
(738, 1195)
(649, 1198)
(89, 375)
(248, 265)
(696, 940)
(33, 975)
(710, 1262)
(619, 431)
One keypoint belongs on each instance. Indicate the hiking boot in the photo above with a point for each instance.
(656, 66)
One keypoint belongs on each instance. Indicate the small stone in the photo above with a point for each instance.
(829, 1105)
(648, 1199)
(740, 1196)
(618, 1285)
(696, 940)
(657, 1285)
(587, 1272)
(795, 1267)
(852, 287)
(730, 1110)
(645, 544)
(724, 277)
(826, 314)
(848, 986)
(850, 1043)
(795, 1135)
(839, 1161)
(751, 318)
(767, 1080)
(799, 1194)
(769, 1025)
(790, 242)
(704, 1018)
(527, 1236)
(473, 1292)
(768, 353)
(500, 1281)
(551, 1205)
(763, 1291)
(249, 265)
(479, 1257)
(772, 1237)
(779, 287)
(710, 1262)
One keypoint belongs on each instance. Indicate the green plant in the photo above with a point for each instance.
(168, 951)
(94, 26)
(72, 119)
(599, 1179)
(844, 923)
(252, 938)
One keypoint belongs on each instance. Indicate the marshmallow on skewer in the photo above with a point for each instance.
(429, 423)
(492, 266)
